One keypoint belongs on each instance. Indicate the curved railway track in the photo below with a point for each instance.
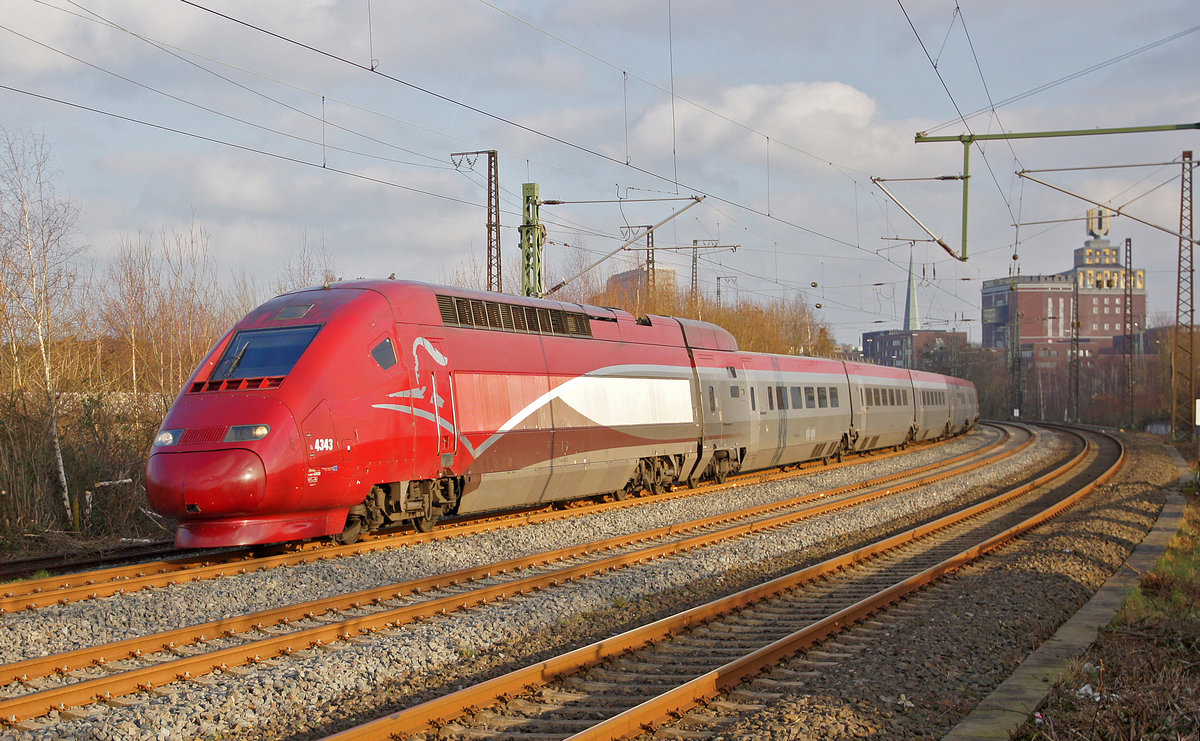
(104, 672)
(60, 589)
(623, 686)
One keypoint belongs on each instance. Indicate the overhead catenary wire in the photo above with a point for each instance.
(515, 124)
(867, 254)
(234, 145)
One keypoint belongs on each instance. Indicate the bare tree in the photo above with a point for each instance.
(306, 267)
(37, 266)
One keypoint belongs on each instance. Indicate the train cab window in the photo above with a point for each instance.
(770, 399)
(255, 353)
(833, 396)
(712, 399)
(753, 405)
(295, 311)
(797, 397)
(810, 397)
(781, 397)
(384, 353)
(822, 397)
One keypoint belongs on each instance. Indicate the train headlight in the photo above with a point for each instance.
(166, 438)
(246, 433)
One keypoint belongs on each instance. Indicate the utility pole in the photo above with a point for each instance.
(493, 213)
(1130, 328)
(721, 278)
(533, 238)
(1183, 389)
(1014, 340)
(704, 244)
(1075, 359)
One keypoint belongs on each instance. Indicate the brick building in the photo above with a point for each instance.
(1036, 310)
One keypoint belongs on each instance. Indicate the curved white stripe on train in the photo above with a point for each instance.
(618, 402)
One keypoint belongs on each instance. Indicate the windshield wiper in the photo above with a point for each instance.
(236, 360)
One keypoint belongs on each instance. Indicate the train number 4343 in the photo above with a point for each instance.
(322, 445)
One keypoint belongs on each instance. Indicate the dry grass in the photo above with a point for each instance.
(1141, 679)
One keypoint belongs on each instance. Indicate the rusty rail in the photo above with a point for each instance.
(632, 722)
(61, 589)
(38, 703)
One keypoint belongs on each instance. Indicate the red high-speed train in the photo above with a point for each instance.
(344, 408)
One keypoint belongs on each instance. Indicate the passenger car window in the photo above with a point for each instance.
(384, 353)
(822, 397)
(833, 396)
(810, 397)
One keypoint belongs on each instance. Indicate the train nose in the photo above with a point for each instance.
(206, 483)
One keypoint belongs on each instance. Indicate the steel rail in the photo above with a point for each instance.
(439, 711)
(19, 568)
(62, 663)
(35, 593)
(38, 703)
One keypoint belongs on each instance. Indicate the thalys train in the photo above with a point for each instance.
(349, 407)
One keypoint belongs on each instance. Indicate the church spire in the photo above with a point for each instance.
(912, 316)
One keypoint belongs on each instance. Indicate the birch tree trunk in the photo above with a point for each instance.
(37, 268)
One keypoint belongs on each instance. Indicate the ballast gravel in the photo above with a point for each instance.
(318, 691)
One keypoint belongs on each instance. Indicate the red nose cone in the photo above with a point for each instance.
(204, 484)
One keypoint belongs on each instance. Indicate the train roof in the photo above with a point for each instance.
(418, 302)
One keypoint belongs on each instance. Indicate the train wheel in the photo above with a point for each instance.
(425, 523)
(354, 528)
(621, 494)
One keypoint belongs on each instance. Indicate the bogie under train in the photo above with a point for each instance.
(341, 409)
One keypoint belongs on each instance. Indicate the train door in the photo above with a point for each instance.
(432, 367)
(860, 405)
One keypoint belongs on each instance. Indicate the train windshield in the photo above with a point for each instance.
(255, 353)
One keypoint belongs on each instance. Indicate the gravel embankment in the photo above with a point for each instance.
(915, 672)
(316, 692)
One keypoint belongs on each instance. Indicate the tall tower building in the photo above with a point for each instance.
(1035, 310)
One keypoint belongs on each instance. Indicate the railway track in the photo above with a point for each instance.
(113, 670)
(21, 568)
(64, 588)
(623, 686)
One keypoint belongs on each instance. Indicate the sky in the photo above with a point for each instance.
(328, 125)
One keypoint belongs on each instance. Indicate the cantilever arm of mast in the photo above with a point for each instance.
(637, 237)
(941, 243)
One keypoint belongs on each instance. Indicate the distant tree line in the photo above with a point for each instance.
(91, 359)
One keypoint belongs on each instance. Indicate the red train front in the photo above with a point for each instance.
(259, 445)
